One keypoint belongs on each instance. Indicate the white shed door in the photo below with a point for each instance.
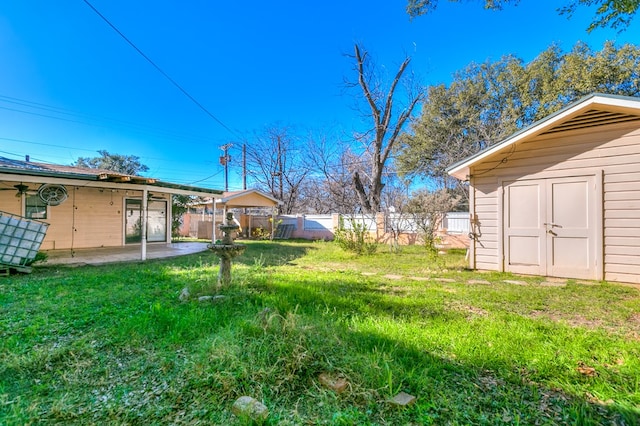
(550, 227)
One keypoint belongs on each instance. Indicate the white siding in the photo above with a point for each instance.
(485, 223)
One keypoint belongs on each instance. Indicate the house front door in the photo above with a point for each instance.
(550, 227)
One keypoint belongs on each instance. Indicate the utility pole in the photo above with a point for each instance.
(224, 160)
(280, 166)
(244, 166)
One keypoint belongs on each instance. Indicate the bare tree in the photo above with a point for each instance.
(329, 187)
(428, 210)
(379, 141)
(395, 200)
(276, 163)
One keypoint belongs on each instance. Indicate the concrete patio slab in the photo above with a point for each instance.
(101, 256)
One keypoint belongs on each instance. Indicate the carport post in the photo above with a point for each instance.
(143, 225)
(213, 224)
(273, 223)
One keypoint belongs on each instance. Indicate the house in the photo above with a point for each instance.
(561, 197)
(90, 208)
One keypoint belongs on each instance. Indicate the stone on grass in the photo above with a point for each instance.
(216, 298)
(553, 284)
(336, 384)
(515, 282)
(484, 282)
(393, 277)
(445, 280)
(184, 295)
(246, 406)
(403, 399)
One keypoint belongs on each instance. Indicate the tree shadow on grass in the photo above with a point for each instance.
(481, 386)
(257, 253)
(448, 390)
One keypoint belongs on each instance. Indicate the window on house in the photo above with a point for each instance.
(34, 207)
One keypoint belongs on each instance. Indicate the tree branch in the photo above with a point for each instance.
(365, 87)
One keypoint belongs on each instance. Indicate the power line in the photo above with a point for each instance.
(169, 160)
(159, 69)
(56, 110)
(174, 180)
(174, 170)
(208, 177)
(46, 144)
(20, 156)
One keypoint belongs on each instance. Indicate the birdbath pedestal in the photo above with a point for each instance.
(226, 250)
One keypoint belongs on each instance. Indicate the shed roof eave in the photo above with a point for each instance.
(461, 173)
(461, 169)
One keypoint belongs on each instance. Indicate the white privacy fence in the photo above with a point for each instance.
(401, 223)
(365, 222)
(287, 220)
(453, 222)
(317, 222)
(322, 226)
(457, 223)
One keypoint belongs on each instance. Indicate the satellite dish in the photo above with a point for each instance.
(52, 194)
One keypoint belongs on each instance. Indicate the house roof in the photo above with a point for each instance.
(591, 111)
(69, 174)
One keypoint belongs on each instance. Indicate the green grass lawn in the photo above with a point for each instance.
(115, 345)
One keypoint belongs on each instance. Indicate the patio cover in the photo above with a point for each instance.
(26, 171)
(244, 199)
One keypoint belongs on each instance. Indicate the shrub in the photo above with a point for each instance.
(355, 239)
(260, 233)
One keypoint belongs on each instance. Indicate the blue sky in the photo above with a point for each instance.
(70, 85)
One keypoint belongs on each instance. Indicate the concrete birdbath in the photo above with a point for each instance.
(226, 250)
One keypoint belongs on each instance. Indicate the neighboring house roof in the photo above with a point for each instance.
(591, 111)
(68, 174)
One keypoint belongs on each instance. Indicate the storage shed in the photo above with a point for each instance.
(562, 196)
